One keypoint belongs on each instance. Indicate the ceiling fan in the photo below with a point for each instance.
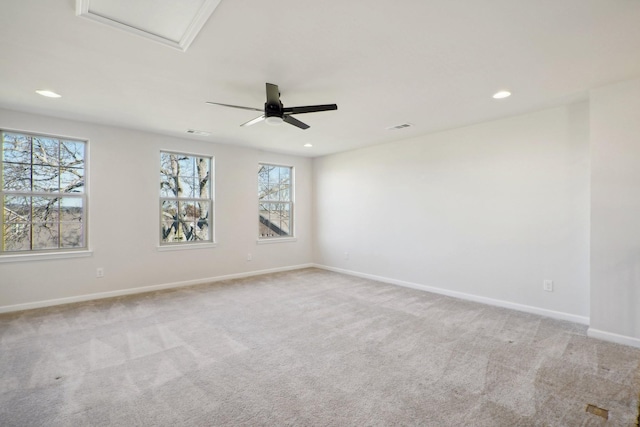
(275, 113)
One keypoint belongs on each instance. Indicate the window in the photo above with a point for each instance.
(275, 201)
(43, 193)
(186, 203)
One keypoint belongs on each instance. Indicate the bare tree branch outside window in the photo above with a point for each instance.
(43, 193)
(275, 202)
(186, 204)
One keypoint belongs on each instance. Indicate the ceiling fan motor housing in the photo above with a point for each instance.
(273, 110)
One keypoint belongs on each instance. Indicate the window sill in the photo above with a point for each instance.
(276, 240)
(184, 247)
(41, 256)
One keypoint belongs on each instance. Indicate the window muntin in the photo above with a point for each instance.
(186, 202)
(275, 201)
(42, 196)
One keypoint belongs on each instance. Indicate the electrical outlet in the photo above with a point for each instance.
(249, 257)
(100, 272)
(547, 285)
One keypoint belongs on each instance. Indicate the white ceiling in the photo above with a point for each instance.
(433, 63)
(174, 23)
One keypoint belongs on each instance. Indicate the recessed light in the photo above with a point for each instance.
(502, 94)
(48, 94)
(308, 145)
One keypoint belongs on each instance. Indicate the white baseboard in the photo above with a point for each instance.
(143, 289)
(616, 338)
(591, 332)
(469, 297)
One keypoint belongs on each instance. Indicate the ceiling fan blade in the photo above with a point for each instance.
(295, 122)
(310, 109)
(235, 106)
(273, 94)
(253, 121)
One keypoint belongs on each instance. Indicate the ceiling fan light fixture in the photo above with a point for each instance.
(274, 120)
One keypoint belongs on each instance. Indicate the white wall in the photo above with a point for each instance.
(486, 212)
(615, 212)
(123, 217)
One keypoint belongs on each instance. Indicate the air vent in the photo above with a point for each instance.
(198, 132)
(402, 126)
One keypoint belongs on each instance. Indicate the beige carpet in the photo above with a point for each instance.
(307, 347)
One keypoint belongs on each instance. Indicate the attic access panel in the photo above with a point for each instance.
(172, 22)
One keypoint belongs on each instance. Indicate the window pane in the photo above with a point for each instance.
(203, 176)
(167, 186)
(17, 209)
(16, 148)
(188, 211)
(202, 221)
(170, 220)
(169, 231)
(17, 236)
(71, 209)
(45, 178)
(275, 219)
(45, 151)
(45, 209)
(188, 187)
(45, 235)
(204, 189)
(193, 222)
(263, 190)
(285, 175)
(72, 180)
(186, 165)
(272, 193)
(165, 160)
(17, 227)
(170, 170)
(72, 154)
(274, 183)
(16, 177)
(169, 210)
(202, 231)
(71, 234)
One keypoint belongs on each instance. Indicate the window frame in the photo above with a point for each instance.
(291, 202)
(49, 252)
(188, 244)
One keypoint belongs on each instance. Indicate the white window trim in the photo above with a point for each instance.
(268, 240)
(293, 236)
(186, 246)
(42, 256)
(177, 246)
(62, 253)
